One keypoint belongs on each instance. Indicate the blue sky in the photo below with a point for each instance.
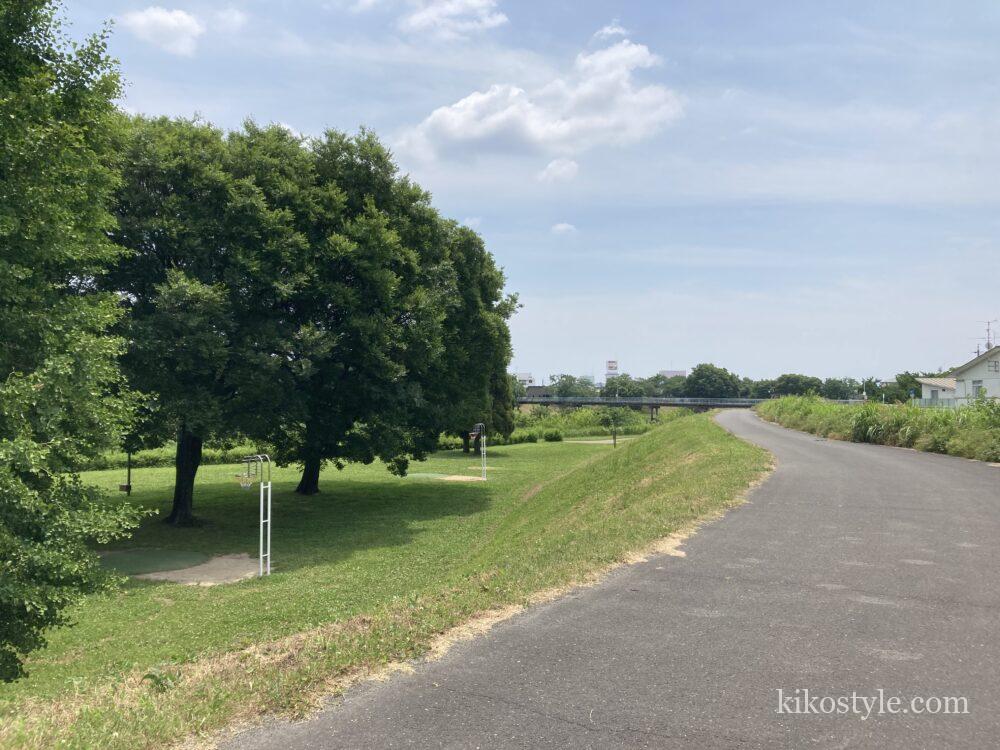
(772, 187)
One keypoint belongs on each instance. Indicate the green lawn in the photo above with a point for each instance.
(366, 573)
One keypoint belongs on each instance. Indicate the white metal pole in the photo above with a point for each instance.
(482, 451)
(269, 528)
(260, 554)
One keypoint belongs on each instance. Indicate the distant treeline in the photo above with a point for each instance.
(710, 381)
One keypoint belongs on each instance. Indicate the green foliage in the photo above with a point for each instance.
(587, 420)
(623, 386)
(61, 400)
(570, 385)
(552, 436)
(709, 381)
(971, 431)
(792, 384)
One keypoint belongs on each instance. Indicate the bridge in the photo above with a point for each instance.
(653, 403)
(642, 401)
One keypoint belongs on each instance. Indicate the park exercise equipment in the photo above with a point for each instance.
(258, 469)
(480, 431)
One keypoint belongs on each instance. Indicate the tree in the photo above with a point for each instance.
(392, 324)
(840, 388)
(60, 389)
(660, 385)
(791, 384)
(187, 224)
(709, 381)
(570, 385)
(622, 386)
(471, 384)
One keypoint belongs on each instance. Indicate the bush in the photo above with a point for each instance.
(585, 421)
(971, 431)
(552, 436)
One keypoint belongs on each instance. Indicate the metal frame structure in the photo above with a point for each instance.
(254, 470)
(480, 431)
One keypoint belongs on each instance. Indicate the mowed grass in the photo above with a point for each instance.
(367, 573)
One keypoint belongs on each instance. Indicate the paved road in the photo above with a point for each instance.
(853, 568)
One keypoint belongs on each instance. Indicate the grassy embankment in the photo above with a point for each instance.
(368, 573)
(970, 432)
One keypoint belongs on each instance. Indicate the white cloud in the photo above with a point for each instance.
(613, 29)
(563, 228)
(174, 31)
(559, 170)
(598, 103)
(452, 18)
(230, 19)
(472, 222)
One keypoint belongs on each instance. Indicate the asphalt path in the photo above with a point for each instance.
(862, 582)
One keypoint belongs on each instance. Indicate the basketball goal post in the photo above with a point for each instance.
(257, 469)
(480, 431)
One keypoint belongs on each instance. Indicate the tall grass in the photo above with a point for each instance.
(971, 432)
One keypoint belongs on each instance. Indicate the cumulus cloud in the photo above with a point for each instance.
(563, 228)
(613, 29)
(174, 31)
(452, 18)
(598, 103)
(559, 170)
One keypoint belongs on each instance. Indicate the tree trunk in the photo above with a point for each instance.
(185, 468)
(309, 484)
(466, 443)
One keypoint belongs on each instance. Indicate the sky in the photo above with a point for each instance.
(770, 187)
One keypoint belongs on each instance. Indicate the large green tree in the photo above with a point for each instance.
(369, 328)
(58, 365)
(202, 241)
(471, 384)
(709, 381)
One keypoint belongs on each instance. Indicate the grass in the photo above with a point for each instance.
(366, 574)
(587, 421)
(971, 431)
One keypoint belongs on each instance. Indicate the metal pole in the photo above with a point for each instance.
(269, 528)
(128, 475)
(260, 553)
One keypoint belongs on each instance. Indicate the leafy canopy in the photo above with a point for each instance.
(60, 396)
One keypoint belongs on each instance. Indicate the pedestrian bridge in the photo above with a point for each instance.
(642, 401)
(653, 402)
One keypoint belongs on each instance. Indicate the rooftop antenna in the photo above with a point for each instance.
(989, 332)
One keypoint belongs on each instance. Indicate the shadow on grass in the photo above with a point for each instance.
(346, 517)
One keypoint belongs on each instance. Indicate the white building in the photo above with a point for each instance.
(524, 378)
(937, 389)
(673, 373)
(978, 377)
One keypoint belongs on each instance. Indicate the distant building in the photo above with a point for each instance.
(611, 369)
(673, 373)
(978, 377)
(937, 389)
(524, 378)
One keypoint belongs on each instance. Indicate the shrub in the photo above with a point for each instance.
(552, 436)
(971, 431)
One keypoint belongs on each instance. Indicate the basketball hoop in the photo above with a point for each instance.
(479, 431)
(253, 471)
